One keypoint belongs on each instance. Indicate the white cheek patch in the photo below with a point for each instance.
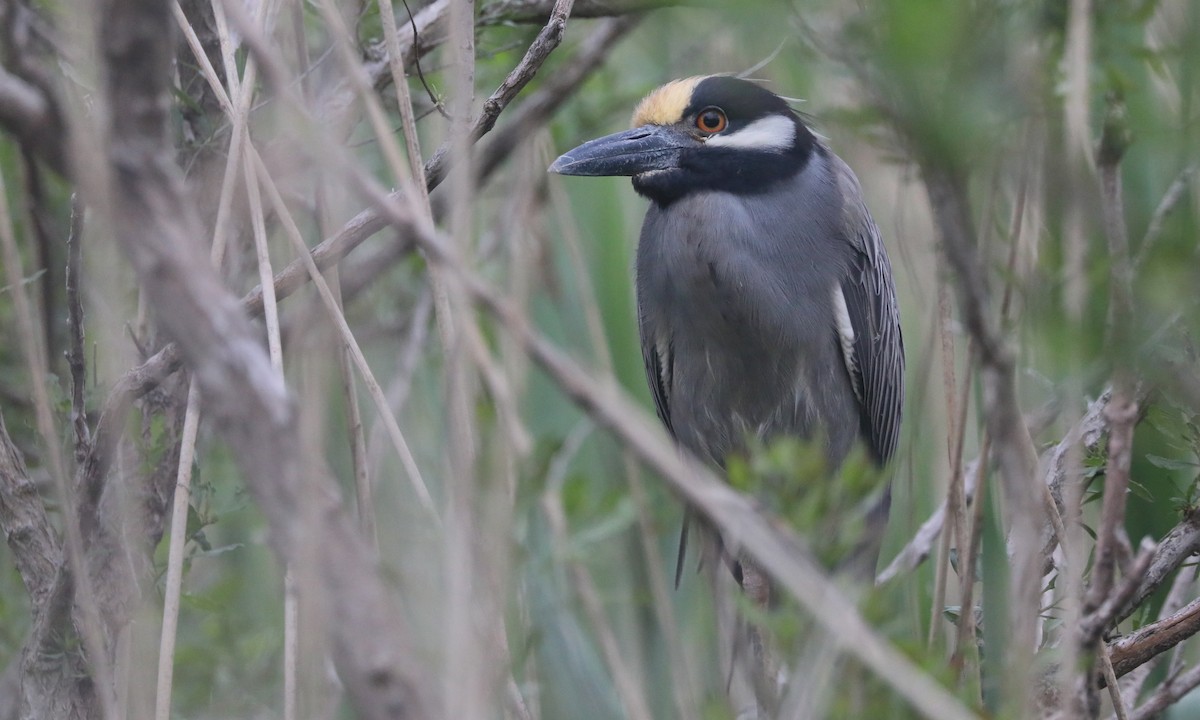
(776, 132)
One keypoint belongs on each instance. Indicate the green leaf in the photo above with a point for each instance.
(1170, 463)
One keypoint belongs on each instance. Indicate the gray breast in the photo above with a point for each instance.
(737, 319)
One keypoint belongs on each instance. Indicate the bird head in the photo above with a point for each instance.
(714, 132)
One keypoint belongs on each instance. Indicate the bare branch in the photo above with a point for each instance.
(1122, 412)
(1170, 200)
(24, 110)
(90, 623)
(249, 402)
(547, 39)
(530, 11)
(1093, 625)
(1006, 427)
(1174, 549)
(1150, 640)
(1167, 694)
(143, 379)
(554, 90)
(28, 107)
(76, 360)
(1131, 685)
(31, 537)
(1122, 415)
(1114, 688)
(1090, 430)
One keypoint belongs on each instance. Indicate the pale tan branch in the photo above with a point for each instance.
(157, 228)
(1150, 640)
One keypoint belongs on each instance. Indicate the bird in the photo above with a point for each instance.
(766, 304)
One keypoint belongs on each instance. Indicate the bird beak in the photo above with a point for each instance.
(633, 152)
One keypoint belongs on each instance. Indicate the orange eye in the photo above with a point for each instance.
(711, 120)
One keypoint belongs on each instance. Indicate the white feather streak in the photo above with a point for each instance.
(845, 331)
(775, 132)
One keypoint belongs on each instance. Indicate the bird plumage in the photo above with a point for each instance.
(742, 359)
(766, 304)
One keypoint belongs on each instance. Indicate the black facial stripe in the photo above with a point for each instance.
(732, 170)
(740, 99)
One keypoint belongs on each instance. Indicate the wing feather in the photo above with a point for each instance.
(877, 365)
(659, 356)
(659, 359)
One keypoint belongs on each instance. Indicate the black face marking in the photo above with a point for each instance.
(740, 99)
(742, 170)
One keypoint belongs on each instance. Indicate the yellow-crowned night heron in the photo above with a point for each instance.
(765, 297)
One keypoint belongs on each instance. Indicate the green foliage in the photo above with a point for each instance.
(791, 477)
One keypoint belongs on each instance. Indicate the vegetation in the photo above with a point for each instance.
(458, 503)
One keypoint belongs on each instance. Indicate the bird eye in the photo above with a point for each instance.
(711, 120)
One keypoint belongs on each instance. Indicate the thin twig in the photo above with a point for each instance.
(172, 590)
(359, 461)
(532, 11)
(465, 685)
(1090, 430)
(408, 123)
(1168, 693)
(307, 262)
(1006, 427)
(345, 49)
(1170, 200)
(546, 41)
(291, 594)
(679, 660)
(1131, 685)
(237, 110)
(76, 357)
(1100, 604)
(956, 496)
(263, 256)
(292, 231)
(1174, 549)
(1110, 678)
(553, 92)
(363, 489)
(1092, 626)
(631, 692)
(416, 61)
(92, 628)
(157, 228)
(968, 563)
(142, 379)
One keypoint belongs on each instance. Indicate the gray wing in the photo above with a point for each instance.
(876, 360)
(659, 359)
